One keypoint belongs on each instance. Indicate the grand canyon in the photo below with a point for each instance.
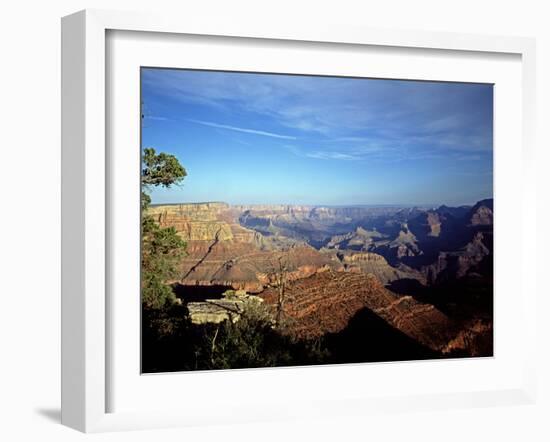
(375, 283)
(343, 220)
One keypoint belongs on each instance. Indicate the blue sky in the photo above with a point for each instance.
(280, 139)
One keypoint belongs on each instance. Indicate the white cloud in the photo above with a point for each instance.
(155, 118)
(331, 156)
(242, 129)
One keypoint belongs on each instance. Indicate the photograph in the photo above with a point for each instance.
(297, 220)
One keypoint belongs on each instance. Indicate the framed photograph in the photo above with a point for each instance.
(268, 222)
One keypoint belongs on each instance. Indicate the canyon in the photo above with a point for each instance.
(423, 274)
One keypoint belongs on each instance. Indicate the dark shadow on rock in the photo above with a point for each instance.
(466, 297)
(369, 338)
(408, 286)
(199, 293)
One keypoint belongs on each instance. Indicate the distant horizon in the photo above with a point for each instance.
(318, 141)
(321, 205)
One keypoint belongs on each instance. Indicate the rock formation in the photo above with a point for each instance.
(325, 303)
(482, 213)
(230, 307)
(457, 264)
(377, 265)
(359, 239)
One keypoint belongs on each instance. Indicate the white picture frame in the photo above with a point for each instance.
(85, 234)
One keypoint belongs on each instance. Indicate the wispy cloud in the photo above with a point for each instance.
(156, 118)
(320, 155)
(242, 129)
(381, 154)
(333, 154)
(444, 116)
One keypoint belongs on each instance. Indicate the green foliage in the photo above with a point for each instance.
(170, 322)
(173, 343)
(161, 169)
(145, 201)
(161, 248)
(249, 342)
